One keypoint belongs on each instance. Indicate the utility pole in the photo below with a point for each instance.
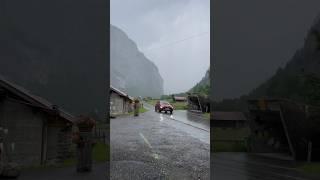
(199, 103)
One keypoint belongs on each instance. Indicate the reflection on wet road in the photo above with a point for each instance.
(159, 146)
(243, 166)
(183, 121)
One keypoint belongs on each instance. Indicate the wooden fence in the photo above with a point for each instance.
(99, 134)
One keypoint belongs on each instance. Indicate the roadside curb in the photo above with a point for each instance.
(188, 124)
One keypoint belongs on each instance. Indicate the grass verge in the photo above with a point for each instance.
(141, 110)
(100, 153)
(229, 147)
(179, 105)
(229, 139)
(310, 168)
(176, 105)
(206, 116)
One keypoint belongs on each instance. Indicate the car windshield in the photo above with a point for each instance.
(164, 103)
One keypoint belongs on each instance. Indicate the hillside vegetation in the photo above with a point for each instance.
(202, 87)
(299, 80)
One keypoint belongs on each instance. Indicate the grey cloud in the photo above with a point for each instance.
(154, 23)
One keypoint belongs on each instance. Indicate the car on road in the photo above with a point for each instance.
(163, 106)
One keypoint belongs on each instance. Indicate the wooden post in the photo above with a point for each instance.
(84, 145)
(287, 134)
(44, 142)
(199, 103)
(309, 151)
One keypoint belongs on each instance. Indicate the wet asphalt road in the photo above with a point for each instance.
(243, 166)
(159, 146)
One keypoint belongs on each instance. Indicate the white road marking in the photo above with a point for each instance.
(154, 155)
(145, 140)
(172, 118)
(161, 117)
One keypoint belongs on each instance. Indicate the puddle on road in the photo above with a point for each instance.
(199, 133)
(194, 129)
(155, 156)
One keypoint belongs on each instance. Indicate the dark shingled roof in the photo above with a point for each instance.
(180, 98)
(33, 99)
(120, 92)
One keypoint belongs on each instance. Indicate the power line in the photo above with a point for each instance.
(178, 41)
(142, 52)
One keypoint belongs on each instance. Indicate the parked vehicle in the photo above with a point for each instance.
(163, 106)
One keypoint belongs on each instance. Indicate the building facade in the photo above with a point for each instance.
(198, 103)
(37, 132)
(229, 119)
(120, 102)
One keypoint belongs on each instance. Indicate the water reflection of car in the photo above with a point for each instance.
(163, 106)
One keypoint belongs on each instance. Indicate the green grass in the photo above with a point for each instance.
(310, 168)
(176, 105)
(230, 133)
(152, 101)
(100, 153)
(229, 147)
(69, 162)
(206, 116)
(141, 110)
(235, 139)
(179, 105)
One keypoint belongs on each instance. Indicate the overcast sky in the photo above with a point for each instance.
(174, 34)
(253, 38)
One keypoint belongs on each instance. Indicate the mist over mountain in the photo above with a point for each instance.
(289, 82)
(57, 51)
(252, 39)
(298, 80)
(130, 70)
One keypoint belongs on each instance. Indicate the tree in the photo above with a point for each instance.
(311, 89)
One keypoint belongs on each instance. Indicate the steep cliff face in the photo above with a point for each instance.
(203, 87)
(130, 70)
(57, 50)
